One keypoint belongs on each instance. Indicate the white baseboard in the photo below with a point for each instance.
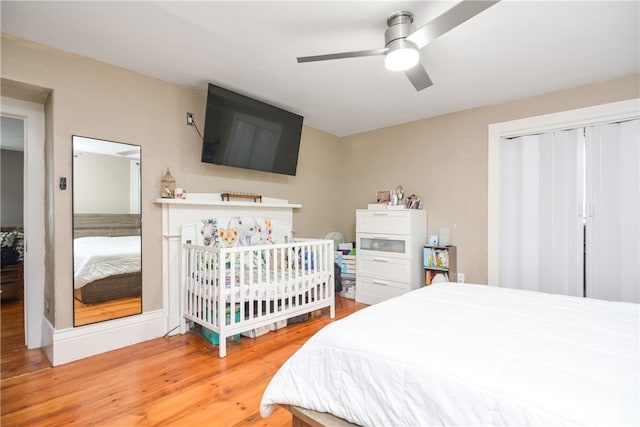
(68, 345)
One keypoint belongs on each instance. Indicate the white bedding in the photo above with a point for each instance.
(461, 354)
(99, 257)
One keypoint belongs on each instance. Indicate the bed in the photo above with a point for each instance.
(106, 268)
(463, 354)
(107, 257)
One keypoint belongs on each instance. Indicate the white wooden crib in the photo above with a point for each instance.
(265, 284)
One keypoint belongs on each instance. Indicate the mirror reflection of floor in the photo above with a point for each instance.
(99, 312)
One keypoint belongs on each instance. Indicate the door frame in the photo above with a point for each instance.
(34, 213)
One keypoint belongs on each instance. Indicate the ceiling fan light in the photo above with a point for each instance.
(401, 58)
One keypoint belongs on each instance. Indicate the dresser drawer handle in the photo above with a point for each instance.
(381, 259)
(380, 282)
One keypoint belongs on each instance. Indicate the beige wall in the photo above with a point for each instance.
(444, 160)
(101, 184)
(101, 101)
(12, 182)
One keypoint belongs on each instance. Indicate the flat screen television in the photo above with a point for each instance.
(246, 133)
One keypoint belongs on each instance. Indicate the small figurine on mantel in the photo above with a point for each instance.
(168, 186)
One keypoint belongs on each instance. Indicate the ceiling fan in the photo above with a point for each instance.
(403, 41)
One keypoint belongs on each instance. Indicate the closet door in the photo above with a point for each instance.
(541, 225)
(613, 211)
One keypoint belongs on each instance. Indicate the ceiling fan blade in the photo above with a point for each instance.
(373, 52)
(418, 77)
(453, 17)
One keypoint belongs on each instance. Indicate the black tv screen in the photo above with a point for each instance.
(246, 133)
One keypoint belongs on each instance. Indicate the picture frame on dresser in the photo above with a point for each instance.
(383, 196)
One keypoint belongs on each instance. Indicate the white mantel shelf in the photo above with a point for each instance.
(214, 199)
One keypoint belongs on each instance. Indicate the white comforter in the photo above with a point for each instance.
(455, 354)
(99, 257)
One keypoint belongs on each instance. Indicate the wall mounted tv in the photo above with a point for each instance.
(246, 133)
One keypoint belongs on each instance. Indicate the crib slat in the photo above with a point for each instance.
(265, 284)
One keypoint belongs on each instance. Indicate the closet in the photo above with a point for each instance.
(570, 211)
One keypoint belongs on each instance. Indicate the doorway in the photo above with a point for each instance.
(584, 117)
(31, 116)
(569, 216)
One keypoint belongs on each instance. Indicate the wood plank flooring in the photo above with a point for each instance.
(178, 380)
(85, 314)
(15, 359)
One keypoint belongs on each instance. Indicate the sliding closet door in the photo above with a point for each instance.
(541, 226)
(613, 211)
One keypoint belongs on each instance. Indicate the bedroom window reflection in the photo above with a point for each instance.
(107, 282)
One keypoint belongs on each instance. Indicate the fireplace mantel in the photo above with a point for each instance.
(196, 207)
(215, 199)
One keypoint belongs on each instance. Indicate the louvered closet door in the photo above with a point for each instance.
(541, 228)
(613, 211)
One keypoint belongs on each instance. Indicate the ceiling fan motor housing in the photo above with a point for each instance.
(400, 26)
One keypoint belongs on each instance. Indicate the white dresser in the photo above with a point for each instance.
(389, 246)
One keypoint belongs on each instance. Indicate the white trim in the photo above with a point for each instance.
(68, 345)
(34, 170)
(616, 111)
(215, 199)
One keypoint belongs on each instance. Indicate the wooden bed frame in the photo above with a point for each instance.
(113, 287)
(109, 225)
(303, 417)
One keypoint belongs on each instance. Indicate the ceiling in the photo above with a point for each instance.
(512, 50)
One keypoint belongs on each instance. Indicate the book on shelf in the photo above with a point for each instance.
(436, 258)
(430, 275)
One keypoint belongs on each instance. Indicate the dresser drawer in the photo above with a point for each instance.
(373, 291)
(383, 222)
(385, 268)
(394, 246)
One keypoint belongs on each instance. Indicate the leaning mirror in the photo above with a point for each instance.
(107, 274)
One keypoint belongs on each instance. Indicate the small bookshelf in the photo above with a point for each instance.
(439, 260)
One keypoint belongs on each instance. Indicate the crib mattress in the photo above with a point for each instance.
(257, 286)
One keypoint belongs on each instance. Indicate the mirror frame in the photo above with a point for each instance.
(91, 304)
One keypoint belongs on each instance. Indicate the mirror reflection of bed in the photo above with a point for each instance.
(106, 229)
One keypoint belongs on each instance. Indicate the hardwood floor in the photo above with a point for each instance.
(178, 380)
(15, 359)
(85, 314)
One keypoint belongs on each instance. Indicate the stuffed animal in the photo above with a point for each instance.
(209, 231)
(263, 234)
(228, 237)
(247, 228)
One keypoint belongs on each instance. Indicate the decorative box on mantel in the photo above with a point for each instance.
(196, 207)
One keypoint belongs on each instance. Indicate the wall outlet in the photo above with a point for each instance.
(460, 277)
(190, 119)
